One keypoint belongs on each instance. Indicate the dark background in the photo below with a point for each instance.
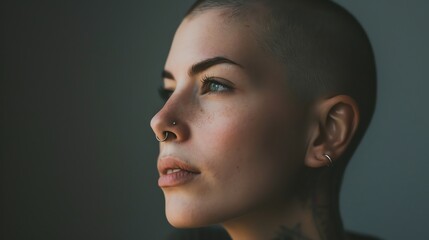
(78, 89)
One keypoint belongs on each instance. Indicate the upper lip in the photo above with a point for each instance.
(169, 162)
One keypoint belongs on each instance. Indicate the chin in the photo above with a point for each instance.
(180, 223)
(187, 218)
(179, 214)
(184, 221)
(190, 216)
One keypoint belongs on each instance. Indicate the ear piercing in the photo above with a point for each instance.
(331, 163)
(165, 134)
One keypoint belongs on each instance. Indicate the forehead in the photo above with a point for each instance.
(214, 33)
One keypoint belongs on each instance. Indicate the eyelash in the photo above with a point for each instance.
(205, 89)
(207, 80)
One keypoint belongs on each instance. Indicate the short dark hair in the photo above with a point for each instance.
(325, 50)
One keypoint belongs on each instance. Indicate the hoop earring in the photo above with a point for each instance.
(162, 140)
(331, 163)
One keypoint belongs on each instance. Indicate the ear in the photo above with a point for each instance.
(334, 125)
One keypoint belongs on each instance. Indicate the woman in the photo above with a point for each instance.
(265, 103)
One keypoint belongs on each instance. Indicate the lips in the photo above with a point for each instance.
(175, 172)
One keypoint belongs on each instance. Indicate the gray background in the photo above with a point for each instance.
(79, 88)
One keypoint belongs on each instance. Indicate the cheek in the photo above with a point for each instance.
(249, 147)
(247, 154)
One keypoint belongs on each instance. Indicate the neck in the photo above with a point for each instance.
(316, 218)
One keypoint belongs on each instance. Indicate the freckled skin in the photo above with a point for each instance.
(246, 142)
(260, 152)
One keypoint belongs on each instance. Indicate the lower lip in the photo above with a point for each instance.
(176, 179)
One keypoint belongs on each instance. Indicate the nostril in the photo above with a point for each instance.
(166, 135)
(166, 127)
(163, 138)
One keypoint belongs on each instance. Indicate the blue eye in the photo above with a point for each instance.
(217, 87)
(210, 85)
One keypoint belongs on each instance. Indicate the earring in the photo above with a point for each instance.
(331, 163)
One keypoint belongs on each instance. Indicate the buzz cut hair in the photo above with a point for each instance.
(325, 50)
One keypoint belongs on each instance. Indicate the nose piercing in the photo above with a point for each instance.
(162, 140)
(330, 164)
(165, 134)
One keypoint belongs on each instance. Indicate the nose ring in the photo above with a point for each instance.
(162, 140)
(165, 134)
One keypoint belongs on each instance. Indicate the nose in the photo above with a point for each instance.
(168, 125)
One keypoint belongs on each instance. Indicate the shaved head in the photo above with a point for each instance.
(324, 49)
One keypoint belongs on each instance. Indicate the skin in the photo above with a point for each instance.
(253, 142)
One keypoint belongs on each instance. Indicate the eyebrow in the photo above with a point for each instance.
(203, 65)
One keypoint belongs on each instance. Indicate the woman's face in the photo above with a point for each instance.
(239, 139)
